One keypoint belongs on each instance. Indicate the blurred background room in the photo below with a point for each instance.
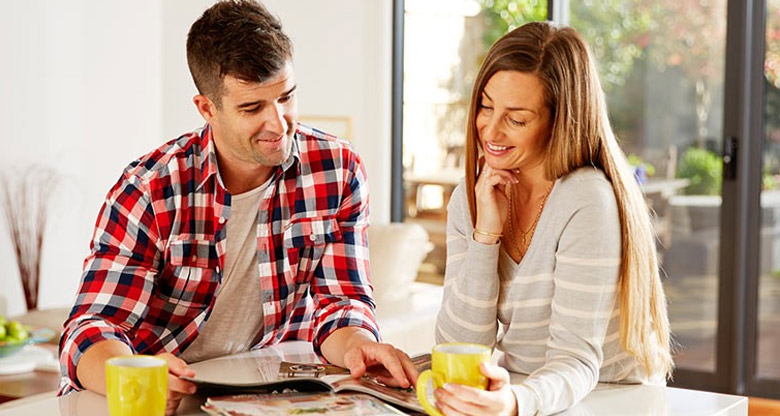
(693, 88)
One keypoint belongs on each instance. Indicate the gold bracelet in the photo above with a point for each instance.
(480, 232)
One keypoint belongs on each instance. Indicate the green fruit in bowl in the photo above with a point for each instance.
(17, 331)
(3, 332)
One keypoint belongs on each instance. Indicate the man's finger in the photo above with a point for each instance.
(408, 365)
(354, 360)
(385, 354)
(388, 381)
(177, 366)
(175, 384)
(171, 405)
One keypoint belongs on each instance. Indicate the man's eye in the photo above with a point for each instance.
(285, 99)
(250, 110)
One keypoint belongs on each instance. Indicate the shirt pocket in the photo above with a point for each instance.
(190, 276)
(305, 240)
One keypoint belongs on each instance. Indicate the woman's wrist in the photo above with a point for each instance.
(485, 237)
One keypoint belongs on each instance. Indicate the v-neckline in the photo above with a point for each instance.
(532, 245)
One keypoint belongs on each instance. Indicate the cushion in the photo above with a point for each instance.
(396, 252)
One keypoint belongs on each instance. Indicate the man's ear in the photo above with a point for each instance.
(205, 106)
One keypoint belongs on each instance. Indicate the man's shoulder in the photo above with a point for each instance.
(181, 153)
(316, 145)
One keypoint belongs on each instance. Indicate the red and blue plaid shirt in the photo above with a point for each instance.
(159, 248)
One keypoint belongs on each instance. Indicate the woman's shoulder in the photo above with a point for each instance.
(459, 198)
(587, 185)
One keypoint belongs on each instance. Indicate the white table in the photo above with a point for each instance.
(606, 399)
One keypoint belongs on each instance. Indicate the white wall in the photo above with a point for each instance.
(343, 67)
(86, 87)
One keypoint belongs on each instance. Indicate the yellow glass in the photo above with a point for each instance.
(136, 385)
(453, 363)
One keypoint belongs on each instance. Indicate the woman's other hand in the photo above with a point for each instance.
(498, 399)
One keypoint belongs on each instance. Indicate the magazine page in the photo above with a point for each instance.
(297, 404)
(256, 367)
(406, 398)
(253, 372)
(278, 370)
(340, 380)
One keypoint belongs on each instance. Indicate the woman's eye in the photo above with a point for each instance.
(516, 123)
(285, 99)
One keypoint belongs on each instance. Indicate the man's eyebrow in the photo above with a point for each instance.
(254, 103)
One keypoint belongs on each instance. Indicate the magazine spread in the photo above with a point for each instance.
(249, 373)
(297, 404)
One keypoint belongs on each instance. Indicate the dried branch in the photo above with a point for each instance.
(25, 198)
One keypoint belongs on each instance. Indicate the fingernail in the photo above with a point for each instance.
(448, 387)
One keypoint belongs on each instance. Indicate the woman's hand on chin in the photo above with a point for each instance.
(491, 189)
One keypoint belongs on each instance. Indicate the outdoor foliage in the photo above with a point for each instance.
(501, 16)
(631, 37)
(703, 169)
(772, 72)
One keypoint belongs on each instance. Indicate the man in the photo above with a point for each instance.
(246, 233)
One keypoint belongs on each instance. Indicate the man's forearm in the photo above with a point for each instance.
(91, 370)
(340, 340)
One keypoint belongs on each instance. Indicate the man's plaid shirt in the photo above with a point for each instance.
(159, 249)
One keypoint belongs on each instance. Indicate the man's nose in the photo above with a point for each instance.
(276, 121)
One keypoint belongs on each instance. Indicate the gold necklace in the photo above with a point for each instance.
(526, 236)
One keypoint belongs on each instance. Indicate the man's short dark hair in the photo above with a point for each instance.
(240, 38)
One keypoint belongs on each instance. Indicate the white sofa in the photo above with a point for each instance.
(406, 310)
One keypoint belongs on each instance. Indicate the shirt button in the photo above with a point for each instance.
(221, 220)
(312, 237)
(268, 309)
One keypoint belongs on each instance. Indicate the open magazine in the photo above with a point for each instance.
(275, 404)
(266, 374)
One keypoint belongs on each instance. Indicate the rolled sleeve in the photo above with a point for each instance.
(341, 290)
(78, 336)
(118, 277)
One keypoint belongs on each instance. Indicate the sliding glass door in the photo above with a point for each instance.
(763, 370)
(693, 88)
(662, 67)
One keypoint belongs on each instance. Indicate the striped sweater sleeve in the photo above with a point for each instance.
(471, 284)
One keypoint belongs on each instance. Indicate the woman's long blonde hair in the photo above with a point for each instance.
(582, 136)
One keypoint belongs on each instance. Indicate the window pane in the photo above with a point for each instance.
(444, 44)
(662, 66)
(769, 281)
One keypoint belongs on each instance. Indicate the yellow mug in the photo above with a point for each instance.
(453, 363)
(136, 385)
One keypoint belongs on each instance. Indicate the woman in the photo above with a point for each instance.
(550, 251)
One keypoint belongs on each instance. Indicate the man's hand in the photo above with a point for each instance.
(356, 349)
(177, 388)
